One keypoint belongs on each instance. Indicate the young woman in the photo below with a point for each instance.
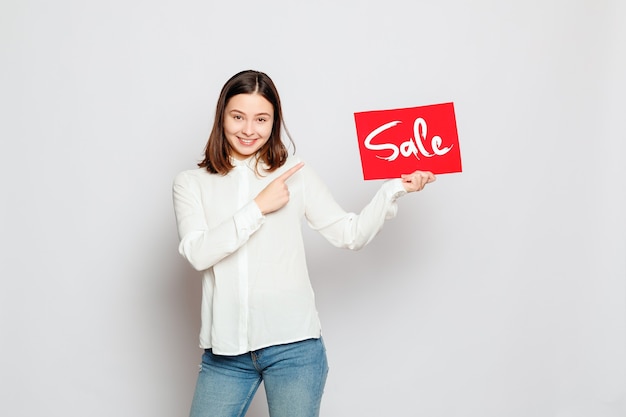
(239, 217)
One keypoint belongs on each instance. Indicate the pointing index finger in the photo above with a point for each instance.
(285, 176)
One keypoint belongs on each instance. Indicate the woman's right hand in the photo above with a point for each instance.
(276, 194)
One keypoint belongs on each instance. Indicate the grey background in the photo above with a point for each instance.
(500, 291)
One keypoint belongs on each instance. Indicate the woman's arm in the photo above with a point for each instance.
(351, 230)
(202, 246)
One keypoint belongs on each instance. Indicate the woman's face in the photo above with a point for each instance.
(248, 120)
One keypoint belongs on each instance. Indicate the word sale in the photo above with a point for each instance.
(413, 146)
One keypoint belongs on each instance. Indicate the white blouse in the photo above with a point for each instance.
(256, 290)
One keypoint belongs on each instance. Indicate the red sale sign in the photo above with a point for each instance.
(400, 141)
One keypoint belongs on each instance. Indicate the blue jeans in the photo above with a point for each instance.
(294, 375)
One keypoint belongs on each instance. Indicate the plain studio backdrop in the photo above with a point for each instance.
(499, 291)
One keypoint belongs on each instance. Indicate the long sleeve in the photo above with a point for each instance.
(204, 245)
(349, 230)
(256, 290)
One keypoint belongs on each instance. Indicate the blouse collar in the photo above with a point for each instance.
(250, 163)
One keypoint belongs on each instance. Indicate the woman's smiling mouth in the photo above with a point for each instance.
(246, 142)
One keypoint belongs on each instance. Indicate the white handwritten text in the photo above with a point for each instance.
(413, 146)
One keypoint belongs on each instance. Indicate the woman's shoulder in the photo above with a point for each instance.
(292, 160)
(193, 175)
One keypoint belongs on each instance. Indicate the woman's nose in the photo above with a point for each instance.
(247, 128)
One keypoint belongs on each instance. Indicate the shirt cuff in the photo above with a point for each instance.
(396, 189)
(248, 219)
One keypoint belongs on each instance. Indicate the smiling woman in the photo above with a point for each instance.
(248, 109)
(247, 124)
(239, 217)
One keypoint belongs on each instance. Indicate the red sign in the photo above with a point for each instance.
(400, 141)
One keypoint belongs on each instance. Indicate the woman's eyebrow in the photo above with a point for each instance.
(242, 112)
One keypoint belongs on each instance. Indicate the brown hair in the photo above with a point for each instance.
(218, 150)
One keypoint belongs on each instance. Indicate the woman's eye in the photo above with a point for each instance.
(262, 119)
(237, 117)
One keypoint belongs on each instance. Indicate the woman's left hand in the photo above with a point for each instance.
(417, 180)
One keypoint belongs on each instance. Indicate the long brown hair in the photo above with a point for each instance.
(217, 151)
